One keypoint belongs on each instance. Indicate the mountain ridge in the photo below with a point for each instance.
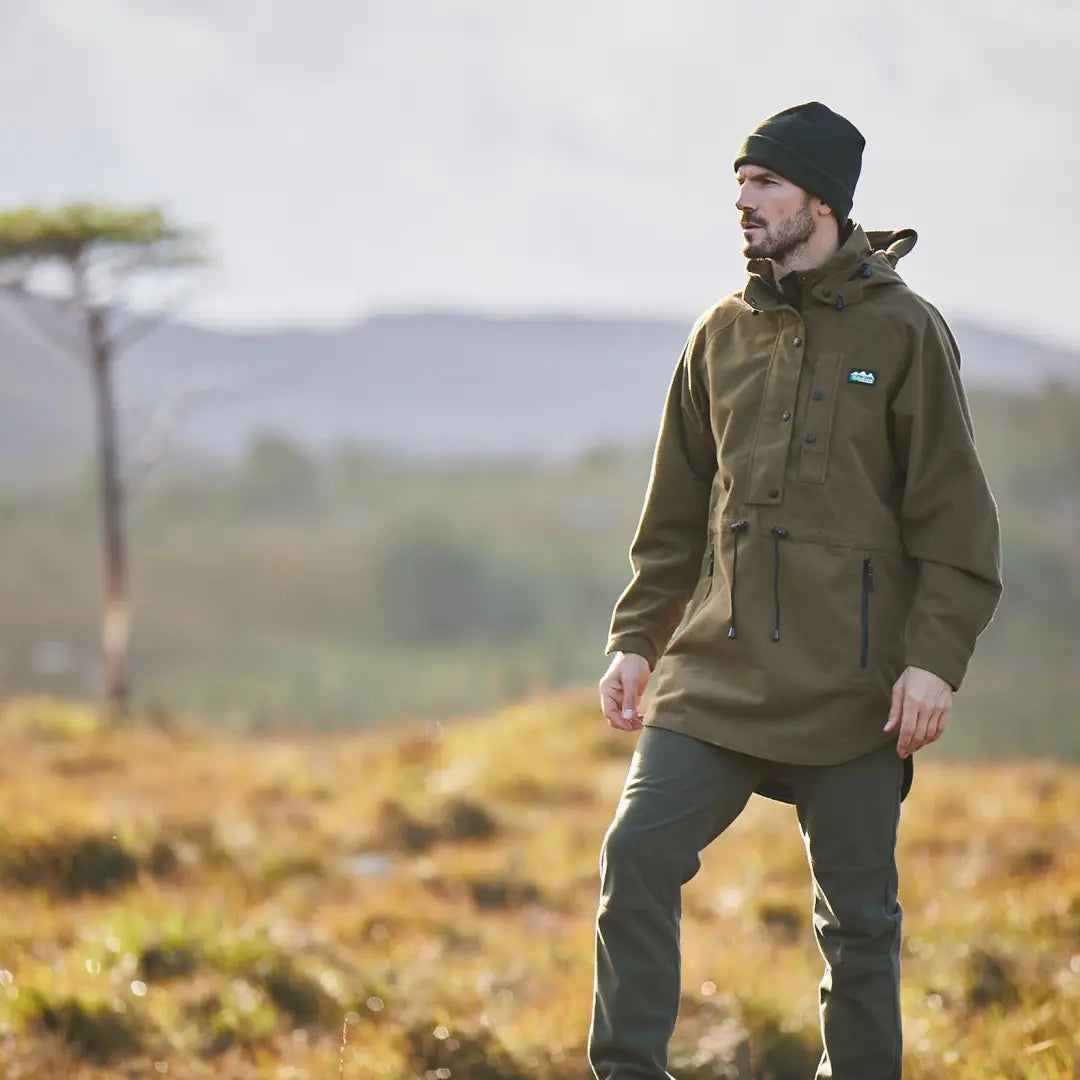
(436, 382)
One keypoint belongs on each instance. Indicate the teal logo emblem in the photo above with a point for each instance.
(858, 375)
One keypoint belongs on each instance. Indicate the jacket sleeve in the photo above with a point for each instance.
(669, 544)
(949, 519)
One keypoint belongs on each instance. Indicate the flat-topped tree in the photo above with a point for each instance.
(75, 269)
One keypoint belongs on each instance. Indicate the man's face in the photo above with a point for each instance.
(777, 217)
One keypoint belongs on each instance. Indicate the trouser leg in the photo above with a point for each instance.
(849, 815)
(680, 794)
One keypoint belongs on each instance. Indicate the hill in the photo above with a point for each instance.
(174, 902)
(427, 384)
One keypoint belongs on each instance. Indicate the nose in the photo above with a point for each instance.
(744, 202)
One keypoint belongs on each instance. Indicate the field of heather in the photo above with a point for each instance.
(419, 904)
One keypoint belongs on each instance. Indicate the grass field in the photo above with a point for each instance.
(420, 904)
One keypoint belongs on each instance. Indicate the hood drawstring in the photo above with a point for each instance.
(737, 527)
(779, 532)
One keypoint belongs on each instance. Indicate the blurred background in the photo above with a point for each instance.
(333, 343)
(383, 456)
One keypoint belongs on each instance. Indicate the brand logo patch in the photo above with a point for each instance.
(858, 375)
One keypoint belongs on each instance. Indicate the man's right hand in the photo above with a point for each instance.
(621, 690)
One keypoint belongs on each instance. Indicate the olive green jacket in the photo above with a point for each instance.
(816, 518)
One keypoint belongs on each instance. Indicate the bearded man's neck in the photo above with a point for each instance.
(819, 247)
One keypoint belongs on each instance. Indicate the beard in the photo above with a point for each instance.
(782, 240)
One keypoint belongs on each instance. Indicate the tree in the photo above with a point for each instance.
(74, 270)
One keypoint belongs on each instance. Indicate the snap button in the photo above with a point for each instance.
(797, 342)
(785, 415)
(817, 395)
(774, 493)
(811, 438)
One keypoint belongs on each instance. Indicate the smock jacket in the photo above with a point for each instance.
(816, 518)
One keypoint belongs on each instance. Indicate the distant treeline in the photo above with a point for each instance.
(350, 589)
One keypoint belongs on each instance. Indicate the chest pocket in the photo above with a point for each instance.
(822, 398)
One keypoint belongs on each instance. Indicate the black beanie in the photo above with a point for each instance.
(813, 147)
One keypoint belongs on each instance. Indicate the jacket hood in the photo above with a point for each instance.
(865, 261)
(894, 243)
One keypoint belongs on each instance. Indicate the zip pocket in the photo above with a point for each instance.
(864, 611)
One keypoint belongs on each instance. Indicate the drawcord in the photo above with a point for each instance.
(779, 532)
(736, 528)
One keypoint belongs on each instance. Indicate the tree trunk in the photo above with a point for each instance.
(116, 619)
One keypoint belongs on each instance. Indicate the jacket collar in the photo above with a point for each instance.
(862, 262)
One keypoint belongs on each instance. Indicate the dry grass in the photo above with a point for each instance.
(181, 904)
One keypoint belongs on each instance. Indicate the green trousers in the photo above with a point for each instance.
(680, 795)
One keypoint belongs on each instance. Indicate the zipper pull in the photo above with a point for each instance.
(868, 574)
(712, 559)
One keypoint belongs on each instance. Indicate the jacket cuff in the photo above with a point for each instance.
(946, 663)
(632, 643)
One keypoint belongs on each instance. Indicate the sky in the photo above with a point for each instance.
(346, 157)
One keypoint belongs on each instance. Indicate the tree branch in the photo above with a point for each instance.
(141, 326)
(158, 441)
(22, 300)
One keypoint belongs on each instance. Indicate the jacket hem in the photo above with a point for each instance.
(728, 737)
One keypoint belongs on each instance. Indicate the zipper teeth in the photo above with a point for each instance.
(864, 611)
(737, 527)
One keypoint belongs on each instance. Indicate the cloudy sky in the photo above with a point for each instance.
(353, 156)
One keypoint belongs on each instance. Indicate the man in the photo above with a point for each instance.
(817, 553)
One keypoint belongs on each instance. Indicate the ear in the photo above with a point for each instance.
(821, 209)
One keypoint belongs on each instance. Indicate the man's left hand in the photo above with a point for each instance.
(921, 702)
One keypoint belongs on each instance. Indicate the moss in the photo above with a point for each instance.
(465, 820)
(430, 1047)
(491, 894)
(776, 1050)
(397, 830)
(288, 988)
(294, 994)
(163, 860)
(94, 1032)
(242, 1015)
(98, 865)
(167, 961)
(284, 868)
(990, 981)
(216, 1035)
(1032, 862)
(69, 866)
(783, 920)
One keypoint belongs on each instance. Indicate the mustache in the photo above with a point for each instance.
(752, 219)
